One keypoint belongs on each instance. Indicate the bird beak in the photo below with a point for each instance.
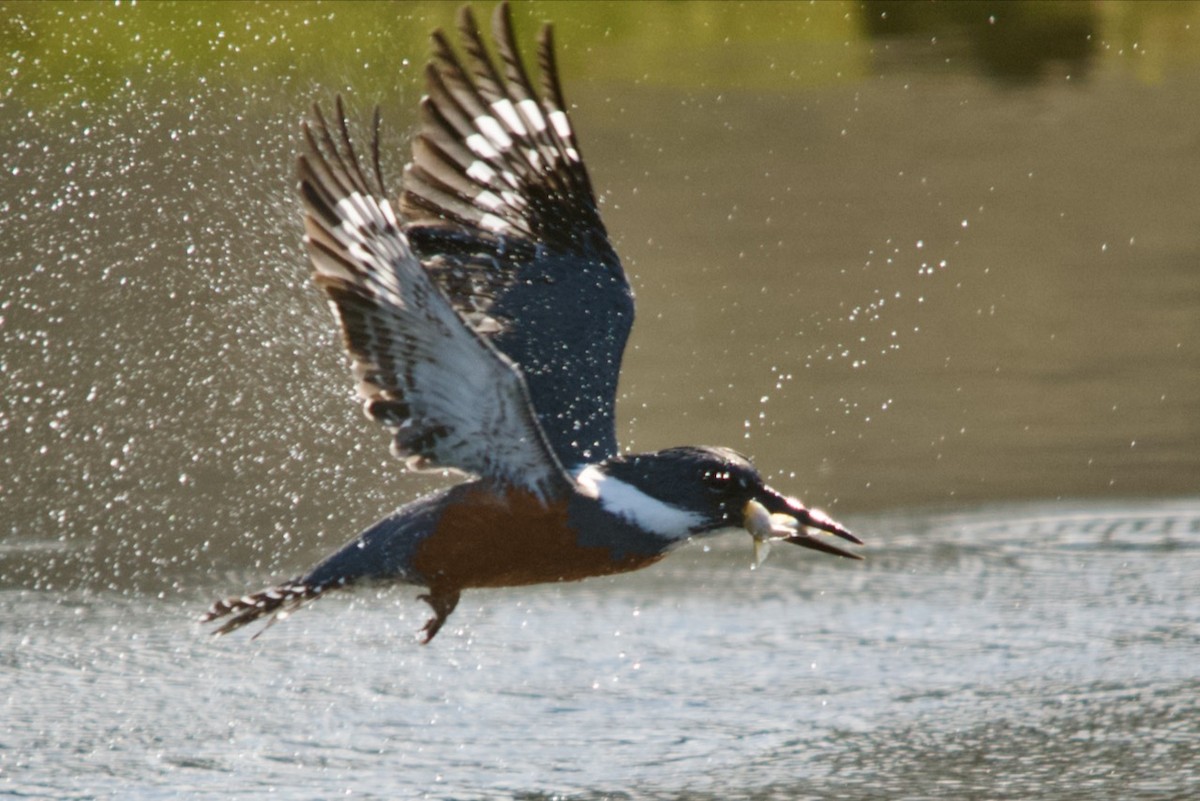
(774, 517)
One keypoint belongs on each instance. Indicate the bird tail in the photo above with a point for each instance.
(278, 602)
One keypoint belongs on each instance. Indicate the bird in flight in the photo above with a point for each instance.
(485, 314)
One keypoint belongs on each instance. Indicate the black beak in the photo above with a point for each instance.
(809, 518)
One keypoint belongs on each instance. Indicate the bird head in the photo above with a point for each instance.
(718, 488)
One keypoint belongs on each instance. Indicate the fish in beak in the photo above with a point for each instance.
(772, 517)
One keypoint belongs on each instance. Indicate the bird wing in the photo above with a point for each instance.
(499, 207)
(449, 396)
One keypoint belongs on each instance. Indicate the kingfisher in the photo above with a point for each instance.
(485, 314)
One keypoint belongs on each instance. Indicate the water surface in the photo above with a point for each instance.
(1032, 651)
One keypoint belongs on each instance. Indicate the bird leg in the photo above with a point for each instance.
(443, 602)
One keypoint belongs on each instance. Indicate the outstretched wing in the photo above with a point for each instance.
(499, 207)
(450, 398)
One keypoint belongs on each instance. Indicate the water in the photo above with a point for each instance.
(949, 299)
(1021, 651)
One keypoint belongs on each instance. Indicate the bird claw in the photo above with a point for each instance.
(443, 604)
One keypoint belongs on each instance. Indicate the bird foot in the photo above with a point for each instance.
(443, 604)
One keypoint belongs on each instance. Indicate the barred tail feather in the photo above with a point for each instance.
(277, 602)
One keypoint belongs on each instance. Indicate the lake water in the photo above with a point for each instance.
(938, 273)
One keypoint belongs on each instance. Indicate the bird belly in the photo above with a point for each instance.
(491, 540)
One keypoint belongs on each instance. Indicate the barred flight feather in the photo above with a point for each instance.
(450, 398)
(493, 155)
(498, 206)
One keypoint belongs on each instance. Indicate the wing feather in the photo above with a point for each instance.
(450, 398)
(500, 209)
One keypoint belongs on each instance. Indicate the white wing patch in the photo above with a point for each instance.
(529, 108)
